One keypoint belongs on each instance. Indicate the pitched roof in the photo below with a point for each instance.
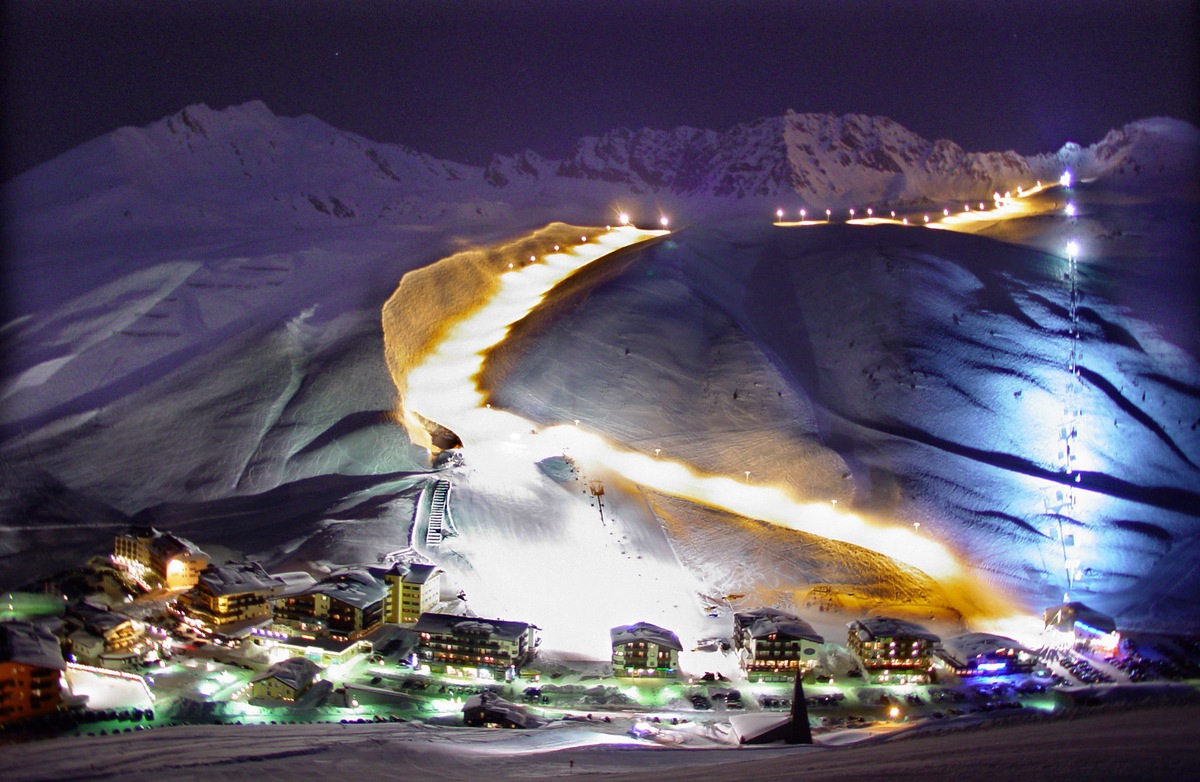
(889, 627)
(967, 646)
(239, 577)
(462, 625)
(30, 644)
(644, 631)
(352, 586)
(763, 622)
(295, 672)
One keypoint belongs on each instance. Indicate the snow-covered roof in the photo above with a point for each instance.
(763, 622)
(30, 644)
(419, 573)
(238, 577)
(99, 620)
(889, 627)
(413, 572)
(495, 707)
(295, 672)
(352, 586)
(970, 645)
(165, 545)
(293, 583)
(461, 625)
(644, 631)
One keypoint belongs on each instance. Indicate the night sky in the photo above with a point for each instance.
(466, 79)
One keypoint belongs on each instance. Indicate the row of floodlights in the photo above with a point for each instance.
(997, 198)
(624, 219)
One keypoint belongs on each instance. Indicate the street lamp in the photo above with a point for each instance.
(624, 218)
(779, 215)
(663, 221)
(803, 214)
(828, 213)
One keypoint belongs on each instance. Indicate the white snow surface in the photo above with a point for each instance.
(195, 343)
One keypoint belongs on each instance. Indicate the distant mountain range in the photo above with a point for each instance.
(245, 166)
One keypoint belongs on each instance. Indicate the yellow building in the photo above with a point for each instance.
(31, 666)
(158, 559)
(413, 589)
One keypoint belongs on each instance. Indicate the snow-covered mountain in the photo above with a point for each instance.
(244, 167)
(195, 339)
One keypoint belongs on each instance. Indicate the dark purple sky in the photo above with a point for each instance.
(465, 79)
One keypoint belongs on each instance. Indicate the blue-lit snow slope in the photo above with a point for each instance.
(934, 364)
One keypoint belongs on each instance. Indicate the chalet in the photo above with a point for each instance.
(892, 650)
(775, 645)
(345, 606)
(102, 637)
(285, 681)
(459, 645)
(644, 649)
(230, 598)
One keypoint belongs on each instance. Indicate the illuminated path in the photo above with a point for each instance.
(1005, 206)
(443, 389)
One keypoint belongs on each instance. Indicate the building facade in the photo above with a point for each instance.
(459, 645)
(158, 559)
(892, 650)
(413, 589)
(285, 681)
(775, 645)
(644, 649)
(345, 606)
(31, 666)
(1079, 626)
(229, 595)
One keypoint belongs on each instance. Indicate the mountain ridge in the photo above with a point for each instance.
(244, 165)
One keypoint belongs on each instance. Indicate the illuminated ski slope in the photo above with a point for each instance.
(443, 388)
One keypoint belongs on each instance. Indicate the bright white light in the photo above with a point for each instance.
(851, 214)
(803, 214)
(1065, 179)
(779, 213)
(893, 214)
(870, 211)
(828, 214)
(1070, 210)
(927, 218)
(1072, 249)
(624, 218)
(663, 221)
(946, 212)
